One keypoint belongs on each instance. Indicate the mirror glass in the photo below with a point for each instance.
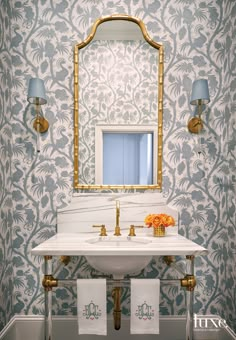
(127, 158)
(118, 83)
(124, 155)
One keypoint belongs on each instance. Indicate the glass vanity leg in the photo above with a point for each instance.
(189, 296)
(189, 315)
(48, 298)
(48, 315)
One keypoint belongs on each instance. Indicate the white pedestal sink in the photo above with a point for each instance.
(119, 265)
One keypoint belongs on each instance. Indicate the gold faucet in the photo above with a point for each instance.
(117, 227)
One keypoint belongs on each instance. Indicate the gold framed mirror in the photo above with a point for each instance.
(93, 100)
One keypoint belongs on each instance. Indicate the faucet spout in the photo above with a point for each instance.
(117, 227)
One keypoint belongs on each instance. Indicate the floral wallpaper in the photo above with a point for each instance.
(199, 172)
(6, 265)
(118, 84)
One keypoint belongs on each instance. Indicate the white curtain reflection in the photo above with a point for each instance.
(127, 158)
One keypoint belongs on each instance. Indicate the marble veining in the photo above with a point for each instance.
(88, 209)
(74, 226)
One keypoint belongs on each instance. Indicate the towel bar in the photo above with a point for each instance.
(116, 283)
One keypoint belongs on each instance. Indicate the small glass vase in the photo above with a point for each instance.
(159, 231)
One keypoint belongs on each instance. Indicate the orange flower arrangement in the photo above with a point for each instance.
(156, 220)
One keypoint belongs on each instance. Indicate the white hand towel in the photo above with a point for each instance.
(91, 306)
(145, 306)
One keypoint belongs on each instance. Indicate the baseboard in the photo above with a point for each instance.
(27, 327)
(9, 331)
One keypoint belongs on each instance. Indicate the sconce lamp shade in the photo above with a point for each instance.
(36, 92)
(200, 92)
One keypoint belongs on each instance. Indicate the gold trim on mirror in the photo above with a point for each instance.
(79, 46)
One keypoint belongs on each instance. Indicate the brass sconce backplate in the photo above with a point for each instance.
(42, 123)
(195, 125)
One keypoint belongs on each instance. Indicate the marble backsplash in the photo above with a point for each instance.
(86, 209)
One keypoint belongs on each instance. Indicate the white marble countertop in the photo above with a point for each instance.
(75, 244)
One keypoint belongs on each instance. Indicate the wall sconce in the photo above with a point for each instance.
(200, 97)
(37, 96)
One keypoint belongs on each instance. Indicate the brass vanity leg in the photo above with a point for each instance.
(116, 292)
(48, 283)
(189, 282)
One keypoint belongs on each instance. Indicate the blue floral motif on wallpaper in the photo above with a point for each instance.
(198, 172)
(117, 85)
(6, 265)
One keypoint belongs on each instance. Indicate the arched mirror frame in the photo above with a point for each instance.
(79, 46)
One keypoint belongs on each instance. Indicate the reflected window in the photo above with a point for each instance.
(128, 158)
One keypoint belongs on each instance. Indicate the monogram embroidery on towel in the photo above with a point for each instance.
(92, 311)
(144, 311)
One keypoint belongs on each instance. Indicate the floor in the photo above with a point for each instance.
(32, 327)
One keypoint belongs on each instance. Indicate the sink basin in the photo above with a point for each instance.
(118, 265)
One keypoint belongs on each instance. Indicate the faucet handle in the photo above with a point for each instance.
(103, 231)
(132, 229)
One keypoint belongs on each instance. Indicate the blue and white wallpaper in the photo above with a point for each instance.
(6, 264)
(118, 84)
(37, 39)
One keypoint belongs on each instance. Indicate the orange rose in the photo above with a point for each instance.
(170, 220)
(148, 220)
(164, 220)
(157, 221)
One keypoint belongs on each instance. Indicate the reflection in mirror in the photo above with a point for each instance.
(118, 30)
(127, 158)
(119, 84)
(124, 155)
